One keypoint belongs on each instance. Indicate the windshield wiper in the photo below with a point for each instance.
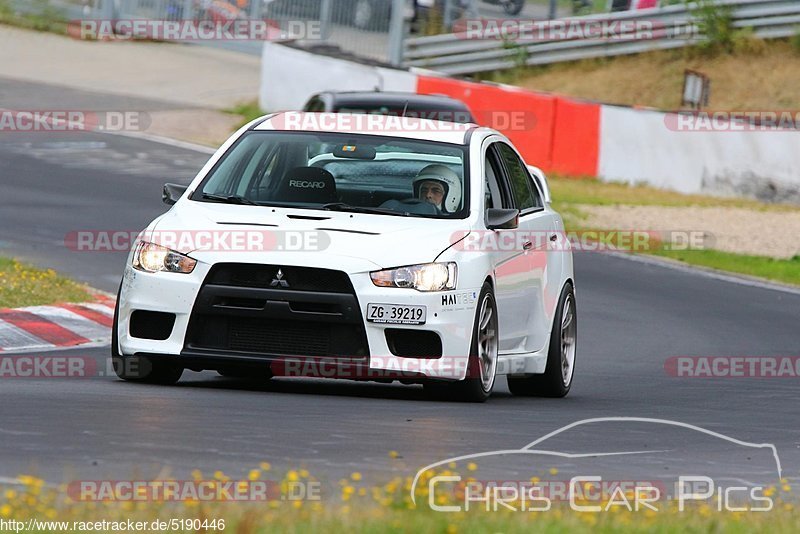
(342, 206)
(232, 199)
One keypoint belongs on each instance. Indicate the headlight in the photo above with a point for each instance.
(155, 258)
(424, 277)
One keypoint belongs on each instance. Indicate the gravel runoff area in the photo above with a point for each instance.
(741, 230)
(189, 85)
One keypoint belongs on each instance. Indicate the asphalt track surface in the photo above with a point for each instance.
(632, 317)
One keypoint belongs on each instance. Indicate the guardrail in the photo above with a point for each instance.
(368, 29)
(673, 27)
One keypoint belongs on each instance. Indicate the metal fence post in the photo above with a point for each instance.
(254, 9)
(325, 18)
(448, 14)
(188, 9)
(397, 32)
(105, 10)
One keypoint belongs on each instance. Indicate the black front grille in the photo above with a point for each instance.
(240, 311)
(279, 338)
(291, 277)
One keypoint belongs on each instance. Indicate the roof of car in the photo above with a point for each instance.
(398, 99)
(361, 124)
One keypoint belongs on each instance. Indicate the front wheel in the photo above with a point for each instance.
(557, 378)
(482, 366)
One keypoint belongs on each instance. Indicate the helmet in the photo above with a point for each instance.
(448, 178)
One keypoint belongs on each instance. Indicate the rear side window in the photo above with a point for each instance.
(524, 194)
(315, 105)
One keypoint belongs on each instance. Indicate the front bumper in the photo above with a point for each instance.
(218, 326)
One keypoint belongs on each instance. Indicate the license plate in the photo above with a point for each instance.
(396, 314)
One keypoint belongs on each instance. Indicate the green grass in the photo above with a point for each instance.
(786, 271)
(370, 508)
(24, 285)
(566, 191)
(42, 17)
(247, 110)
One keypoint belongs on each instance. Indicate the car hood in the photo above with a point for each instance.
(214, 233)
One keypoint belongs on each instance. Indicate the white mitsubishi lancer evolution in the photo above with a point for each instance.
(355, 246)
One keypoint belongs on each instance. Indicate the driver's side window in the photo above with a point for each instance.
(493, 191)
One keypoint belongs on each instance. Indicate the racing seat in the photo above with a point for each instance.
(307, 184)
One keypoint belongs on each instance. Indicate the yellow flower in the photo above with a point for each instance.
(393, 454)
(264, 466)
(254, 474)
(10, 494)
(356, 476)
(472, 466)
(304, 473)
(291, 476)
(553, 471)
(5, 511)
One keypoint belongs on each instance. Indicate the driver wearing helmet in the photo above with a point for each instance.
(438, 185)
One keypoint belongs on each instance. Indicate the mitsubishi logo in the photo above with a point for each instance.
(278, 280)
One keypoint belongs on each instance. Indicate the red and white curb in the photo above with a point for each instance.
(37, 328)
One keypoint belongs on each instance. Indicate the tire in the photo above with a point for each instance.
(482, 367)
(561, 354)
(140, 368)
(513, 7)
(371, 15)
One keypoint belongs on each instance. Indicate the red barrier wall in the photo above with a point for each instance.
(553, 133)
(576, 135)
(526, 118)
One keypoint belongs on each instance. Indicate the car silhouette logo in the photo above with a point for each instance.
(278, 280)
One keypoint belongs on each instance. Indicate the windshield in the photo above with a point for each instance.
(343, 172)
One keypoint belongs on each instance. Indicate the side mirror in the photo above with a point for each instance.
(541, 179)
(502, 218)
(172, 192)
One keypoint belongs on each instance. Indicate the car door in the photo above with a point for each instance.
(536, 227)
(508, 257)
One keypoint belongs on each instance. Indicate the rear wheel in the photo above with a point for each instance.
(482, 366)
(557, 378)
(371, 15)
(140, 368)
(513, 7)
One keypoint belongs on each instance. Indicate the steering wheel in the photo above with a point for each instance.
(412, 201)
